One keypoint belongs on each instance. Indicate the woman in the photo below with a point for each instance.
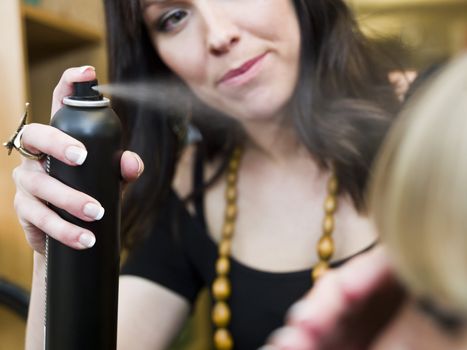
(418, 202)
(291, 103)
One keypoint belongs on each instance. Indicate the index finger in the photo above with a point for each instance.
(49, 140)
(64, 87)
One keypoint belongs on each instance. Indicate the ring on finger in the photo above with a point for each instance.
(15, 141)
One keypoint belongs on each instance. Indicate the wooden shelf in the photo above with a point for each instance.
(48, 34)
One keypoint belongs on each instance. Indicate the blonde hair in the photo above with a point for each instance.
(418, 194)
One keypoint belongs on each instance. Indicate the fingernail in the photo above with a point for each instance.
(93, 211)
(288, 337)
(87, 240)
(140, 165)
(268, 347)
(86, 68)
(300, 311)
(76, 154)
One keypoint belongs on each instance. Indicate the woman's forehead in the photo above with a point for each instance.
(145, 3)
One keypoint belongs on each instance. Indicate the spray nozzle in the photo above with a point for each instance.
(85, 91)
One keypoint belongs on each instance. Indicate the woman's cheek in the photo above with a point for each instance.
(183, 59)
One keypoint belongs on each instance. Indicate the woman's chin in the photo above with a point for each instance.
(258, 116)
(260, 110)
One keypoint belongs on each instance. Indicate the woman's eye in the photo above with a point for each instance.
(171, 20)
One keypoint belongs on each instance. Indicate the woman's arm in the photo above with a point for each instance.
(150, 316)
(34, 188)
(36, 315)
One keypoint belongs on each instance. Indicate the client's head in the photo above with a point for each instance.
(418, 195)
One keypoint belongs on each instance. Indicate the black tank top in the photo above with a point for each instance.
(180, 255)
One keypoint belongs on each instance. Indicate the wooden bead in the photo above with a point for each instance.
(231, 212)
(221, 314)
(231, 178)
(326, 247)
(223, 340)
(333, 185)
(228, 229)
(237, 152)
(231, 194)
(223, 266)
(221, 288)
(328, 224)
(224, 247)
(319, 270)
(233, 164)
(330, 204)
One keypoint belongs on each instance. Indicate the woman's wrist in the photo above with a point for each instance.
(39, 264)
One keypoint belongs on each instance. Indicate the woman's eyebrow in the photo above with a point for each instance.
(146, 3)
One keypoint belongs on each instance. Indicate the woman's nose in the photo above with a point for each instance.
(221, 32)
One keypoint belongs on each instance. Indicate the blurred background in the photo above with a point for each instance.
(41, 38)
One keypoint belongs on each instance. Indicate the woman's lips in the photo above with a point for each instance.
(242, 74)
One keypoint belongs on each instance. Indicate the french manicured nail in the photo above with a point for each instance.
(93, 211)
(288, 337)
(268, 347)
(87, 240)
(86, 68)
(140, 165)
(300, 311)
(76, 154)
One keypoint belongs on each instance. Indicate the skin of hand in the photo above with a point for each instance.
(35, 188)
(346, 309)
(401, 82)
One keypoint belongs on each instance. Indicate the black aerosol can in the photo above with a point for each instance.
(82, 286)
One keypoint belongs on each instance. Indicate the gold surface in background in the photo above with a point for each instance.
(431, 31)
(15, 257)
(11, 330)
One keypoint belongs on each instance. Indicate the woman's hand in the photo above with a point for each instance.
(346, 309)
(401, 82)
(35, 188)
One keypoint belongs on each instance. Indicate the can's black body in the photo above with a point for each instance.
(82, 286)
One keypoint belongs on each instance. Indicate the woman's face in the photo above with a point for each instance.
(238, 56)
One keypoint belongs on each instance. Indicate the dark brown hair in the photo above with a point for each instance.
(341, 108)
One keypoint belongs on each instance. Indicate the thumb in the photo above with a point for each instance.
(132, 166)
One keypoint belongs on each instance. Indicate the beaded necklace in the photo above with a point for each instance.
(221, 287)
